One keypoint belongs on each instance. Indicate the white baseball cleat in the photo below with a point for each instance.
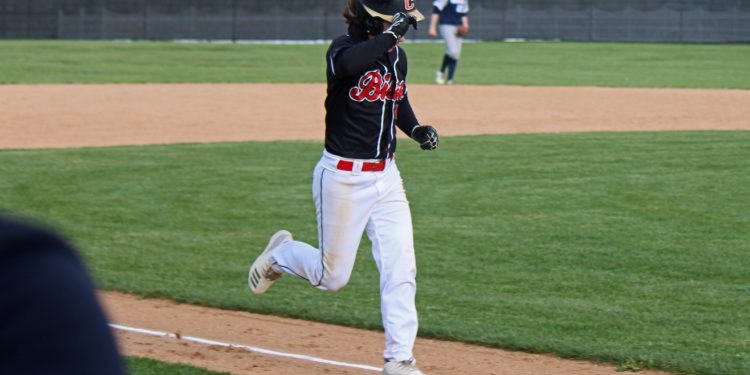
(401, 368)
(261, 275)
(439, 78)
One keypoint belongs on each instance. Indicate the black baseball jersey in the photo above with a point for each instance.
(367, 97)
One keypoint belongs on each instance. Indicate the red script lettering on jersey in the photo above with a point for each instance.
(374, 86)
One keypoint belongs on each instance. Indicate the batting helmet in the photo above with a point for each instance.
(385, 9)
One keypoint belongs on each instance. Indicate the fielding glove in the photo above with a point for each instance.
(426, 135)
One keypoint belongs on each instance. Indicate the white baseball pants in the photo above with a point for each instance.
(348, 203)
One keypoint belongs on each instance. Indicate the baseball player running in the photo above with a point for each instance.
(357, 186)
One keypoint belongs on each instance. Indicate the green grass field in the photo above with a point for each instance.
(145, 366)
(628, 248)
(493, 63)
(622, 248)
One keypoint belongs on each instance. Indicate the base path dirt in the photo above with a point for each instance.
(50, 116)
(291, 336)
(41, 116)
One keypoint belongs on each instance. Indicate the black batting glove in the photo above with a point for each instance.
(400, 25)
(426, 135)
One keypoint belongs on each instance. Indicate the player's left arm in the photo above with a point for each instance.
(407, 121)
(464, 28)
(463, 12)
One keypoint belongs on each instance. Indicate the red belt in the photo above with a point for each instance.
(376, 166)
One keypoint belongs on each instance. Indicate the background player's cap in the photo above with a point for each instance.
(385, 9)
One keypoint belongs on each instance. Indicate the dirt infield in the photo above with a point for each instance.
(49, 116)
(319, 340)
(34, 116)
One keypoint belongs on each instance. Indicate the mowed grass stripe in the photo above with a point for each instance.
(629, 248)
(486, 63)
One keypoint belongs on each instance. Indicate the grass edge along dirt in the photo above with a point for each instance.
(657, 65)
(146, 366)
(626, 248)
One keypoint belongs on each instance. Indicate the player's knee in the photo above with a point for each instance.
(335, 283)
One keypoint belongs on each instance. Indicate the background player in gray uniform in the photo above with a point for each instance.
(357, 186)
(450, 18)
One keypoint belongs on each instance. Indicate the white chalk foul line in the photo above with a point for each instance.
(243, 347)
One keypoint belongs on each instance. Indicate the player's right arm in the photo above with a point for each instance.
(347, 57)
(433, 24)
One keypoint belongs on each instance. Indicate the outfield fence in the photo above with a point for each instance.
(585, 20)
